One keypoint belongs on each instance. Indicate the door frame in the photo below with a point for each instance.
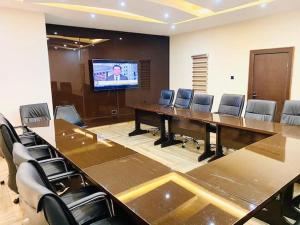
(289, 50)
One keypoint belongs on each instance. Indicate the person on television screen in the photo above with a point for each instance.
(117, 70)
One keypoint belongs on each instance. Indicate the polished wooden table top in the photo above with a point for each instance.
(227, 191)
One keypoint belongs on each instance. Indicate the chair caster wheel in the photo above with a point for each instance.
(16, 201)
(198, 148)
(2, 182)
(182, 146)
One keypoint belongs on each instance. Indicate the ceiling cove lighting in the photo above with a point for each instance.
(233, 9)
(185, 6)
(102, 11)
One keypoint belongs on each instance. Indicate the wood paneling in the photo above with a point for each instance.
(68, 66)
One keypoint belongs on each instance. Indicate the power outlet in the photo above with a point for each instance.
(114, 112)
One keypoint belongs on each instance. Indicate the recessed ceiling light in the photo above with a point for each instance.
(173, 26)
(93, 16)
(55, 33)
(81, 46)
(166, 15)
(76, 42)
(122, 4)
(263, 5)
(65, 45)
(120, 39)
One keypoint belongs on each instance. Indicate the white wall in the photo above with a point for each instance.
(24, 66)
(229, 49)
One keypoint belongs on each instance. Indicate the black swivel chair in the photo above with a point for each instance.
(166, 97)
(70, 114)
(33, 183)
(230, 105)
(201, 103)
(291, 112)
(7, 139)
(57, 212)
(184, 98)
(34, 113)
(260, 110)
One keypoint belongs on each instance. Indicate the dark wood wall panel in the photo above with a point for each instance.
(70, 79)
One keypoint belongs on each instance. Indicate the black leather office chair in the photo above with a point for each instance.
(166, 97)
(7, 139)
(184, 98)
(230, 105)
(33, 185)
(291, 112)
(201, 103)
(34, 113)
(52, 167)
(68, 113)
(291, 211)
(57, 212)
(260, 110)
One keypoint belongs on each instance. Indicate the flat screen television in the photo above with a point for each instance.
(113, 74)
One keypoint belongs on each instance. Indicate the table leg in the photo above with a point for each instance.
(138, 129)
(171, 136)
(207, 151)
(219, 149)
(163, 136)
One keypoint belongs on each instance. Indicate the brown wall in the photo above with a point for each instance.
(71, 80)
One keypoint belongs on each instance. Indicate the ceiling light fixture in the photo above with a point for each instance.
(65, 45)
(55, 33)
(166, 15)
(123, 4)
(263, 5)
(76, 42)
(173, 27)
(120, 39)
(93, 16)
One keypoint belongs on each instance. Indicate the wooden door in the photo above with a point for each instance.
(270, 75)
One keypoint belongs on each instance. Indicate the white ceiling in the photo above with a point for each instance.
(153, 10)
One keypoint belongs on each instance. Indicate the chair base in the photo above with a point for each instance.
(2, 182)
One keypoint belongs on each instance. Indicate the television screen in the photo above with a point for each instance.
(113, 74)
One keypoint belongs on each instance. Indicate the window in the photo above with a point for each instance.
(200, 70)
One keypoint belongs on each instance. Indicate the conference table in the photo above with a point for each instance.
(230, 190)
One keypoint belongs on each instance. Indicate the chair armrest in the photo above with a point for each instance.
(65, 175)
(24, 128)
(98, 196)
(27, 136)
(52, 160)
(37, 147)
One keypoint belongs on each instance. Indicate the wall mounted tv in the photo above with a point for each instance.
(113, 74)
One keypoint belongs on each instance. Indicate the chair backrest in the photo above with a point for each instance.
(260, 110)
(21, 154)
(184, 98)
(32, 188)
(231, 104)
(202, 103)
(7, 141)
(55, 210)
(34, 113)
(68, 113)
(291, 112)
(166, 97)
